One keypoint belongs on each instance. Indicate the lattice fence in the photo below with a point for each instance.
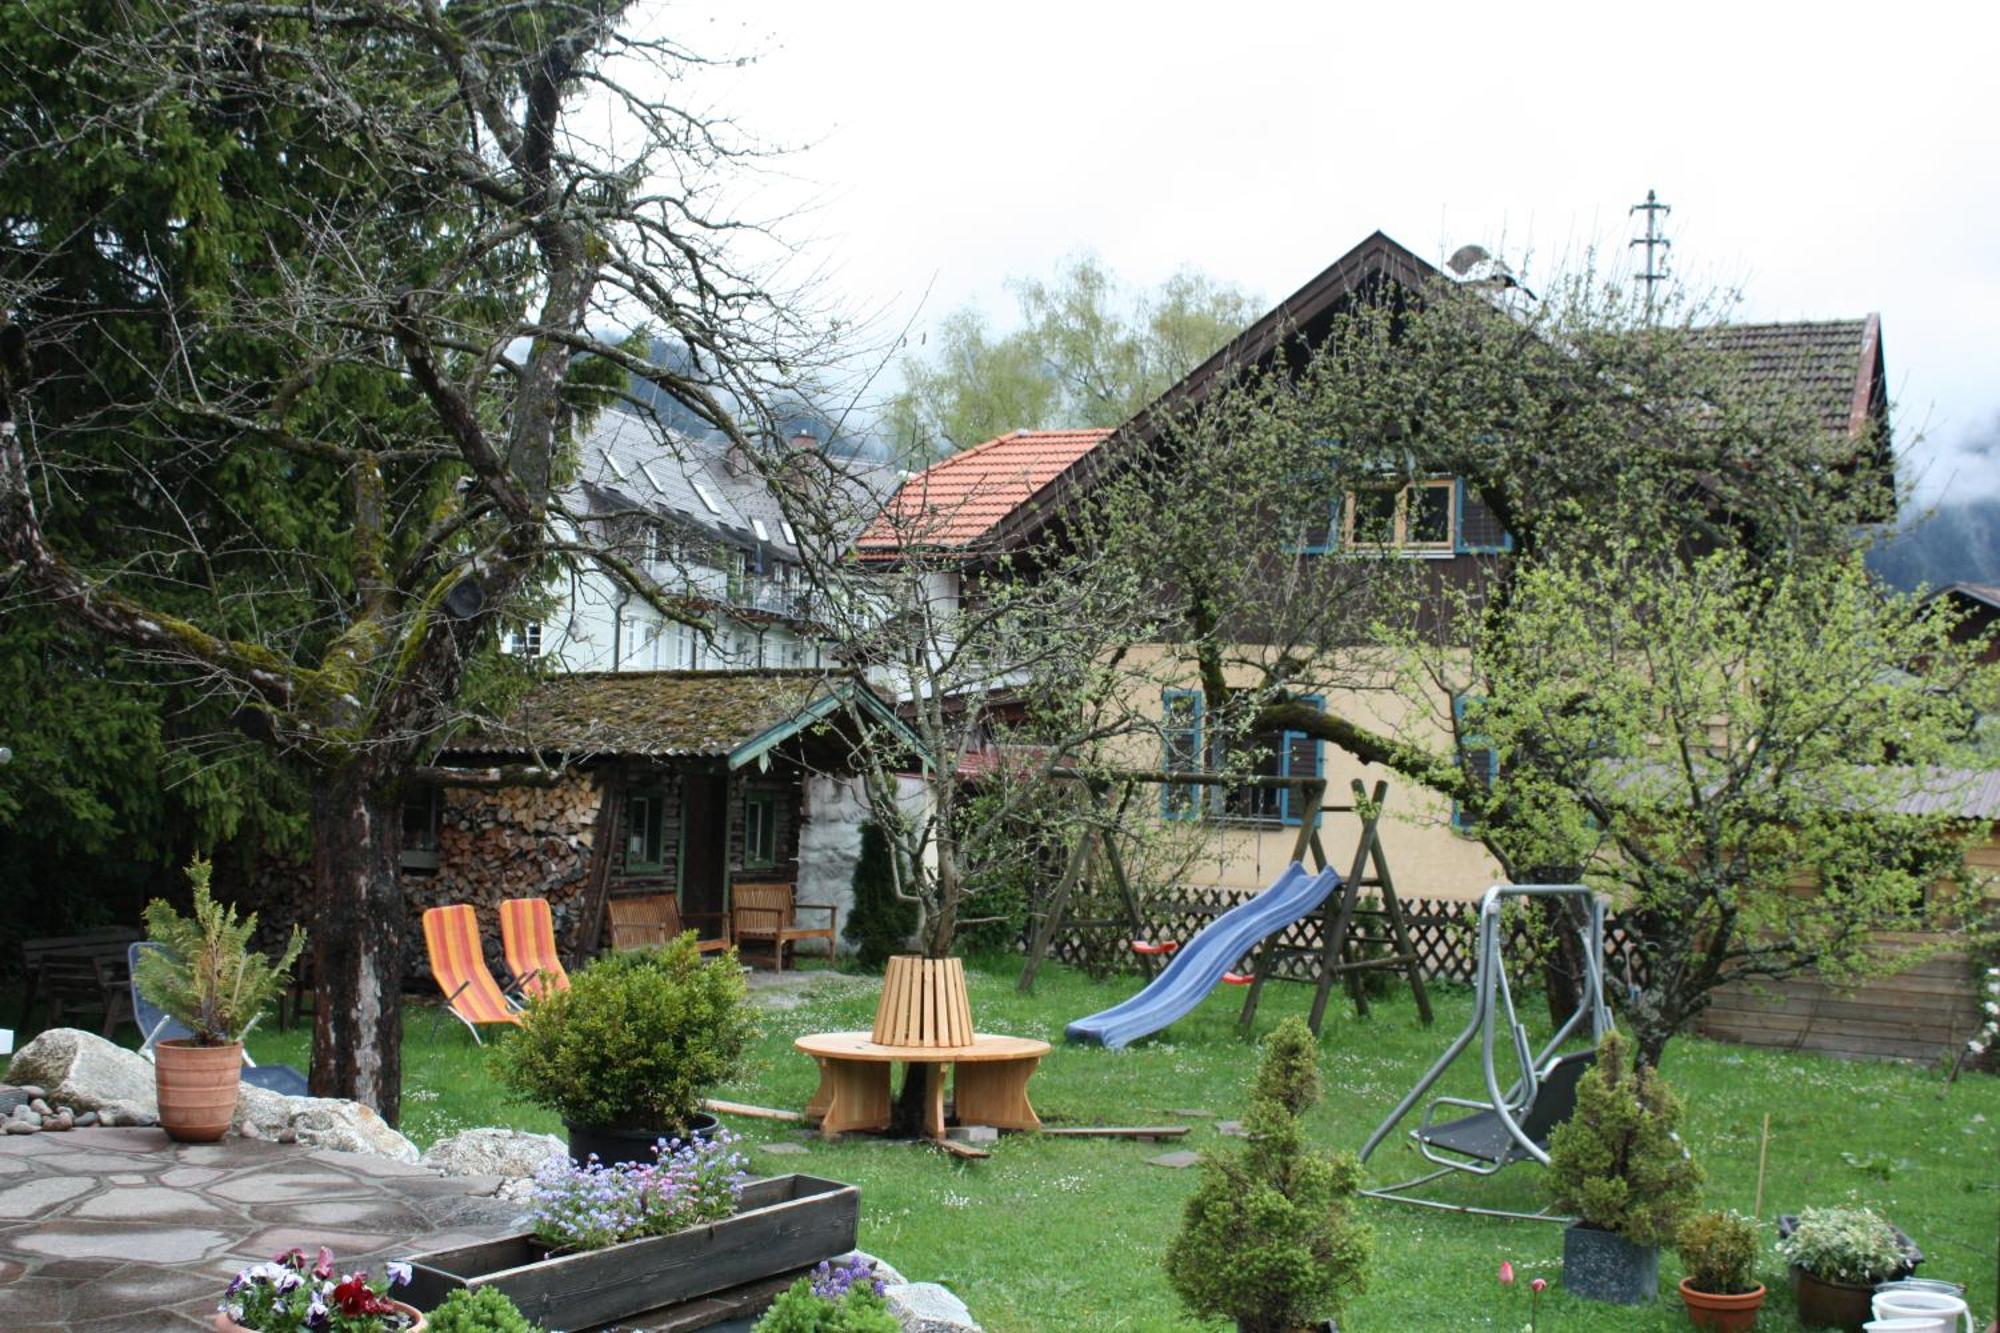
(1444, 933)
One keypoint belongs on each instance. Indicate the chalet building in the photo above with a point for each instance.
(1003, 495)
(680, 782)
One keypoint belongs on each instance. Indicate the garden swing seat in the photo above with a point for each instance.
(1483, 1135)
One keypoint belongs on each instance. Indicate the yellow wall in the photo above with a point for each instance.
(1426, 859)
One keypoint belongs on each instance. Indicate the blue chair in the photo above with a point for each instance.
(158, 1027)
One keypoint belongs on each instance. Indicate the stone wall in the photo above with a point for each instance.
(830, 844)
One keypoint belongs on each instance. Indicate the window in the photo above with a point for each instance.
(645, 818)
(785, 526)
(1479, 530)
(1180, 736)
(757, 526)
(741, 583)
(707, 498)
(617, 468)
(1476, 755)
(661, 543)
(422, 813)
(1422, 516)
(760, 831)
(1280, 754)
(525, 640)
(652, 478)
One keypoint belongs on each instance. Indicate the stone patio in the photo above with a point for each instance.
(126, 1231)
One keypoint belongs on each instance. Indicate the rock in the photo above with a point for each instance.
(28, 1117)
(14, 1126)
(86, 1120)
(318, 1122)
(1232, 1128)
(60, 1121)
(1177, 1160)
(120, 1113)
(11, 1098)
(973, 1133)
(41, 1107)
(926, 1307)
(83, 1070)
(493, 1152)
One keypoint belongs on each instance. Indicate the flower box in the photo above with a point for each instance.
(782, 1223)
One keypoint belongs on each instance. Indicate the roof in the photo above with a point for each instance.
(1984, 594)
(1962, 793)
(1835, 364)
(958, 502)
(732, 715)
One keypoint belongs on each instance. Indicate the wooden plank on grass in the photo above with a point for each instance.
(752, 1112)
(954, 1148)
(1116, 1131)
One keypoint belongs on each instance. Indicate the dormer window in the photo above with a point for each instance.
(707, 498)
(1422, 516)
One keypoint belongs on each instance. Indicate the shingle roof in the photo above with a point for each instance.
(956, 503)
(1961, 793)
(662, 714)
(1987, 594)
(1832, 363)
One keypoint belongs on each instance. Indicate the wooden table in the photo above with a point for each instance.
(990, 1077)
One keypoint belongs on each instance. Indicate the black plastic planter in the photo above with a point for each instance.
(1604, 1266)
(612, 1144)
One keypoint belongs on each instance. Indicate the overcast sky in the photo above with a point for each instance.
(1829, 160)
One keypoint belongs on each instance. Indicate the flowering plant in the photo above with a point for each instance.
(292, 1293)
(1988, 1035)
(591, 1206)
(1535, 1290)
(1853, 1245)
(843, 1298)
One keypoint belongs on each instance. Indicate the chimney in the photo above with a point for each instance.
(804, 441)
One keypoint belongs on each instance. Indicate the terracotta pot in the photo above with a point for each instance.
(224, 1324)
(1726, 1314)
(197, 1088)
(1824, 1304)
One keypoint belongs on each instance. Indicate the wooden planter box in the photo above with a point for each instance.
(783, 1223)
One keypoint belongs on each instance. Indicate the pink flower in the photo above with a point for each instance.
(1539, 1285)
(1506, 1272)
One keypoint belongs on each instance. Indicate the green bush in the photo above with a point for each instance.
(1269, 1238)
(636, 1040)
(880, 924)
(799, 1309)
(205, 975)
(482, 1311)
(1853, 1245)
(1619, 1163)
(1719, 1252)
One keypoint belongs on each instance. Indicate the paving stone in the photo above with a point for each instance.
(449, 1187)
(1193, 1111)
(370, 1164)
(39, 1195)
(34, 1145)
(10, 1271)
(78, 1270)
(123, 1139)
(139, 1289)
(33, 1301)
(191, 1177)
(11, 1165)
(1177, 1160)
(151, 1203)
(1232, 1129)
(783, 1148)
(355, 1214)
(108, 1240)
(270, 1186)
(126, 1178)
(235, 1153)
(347, 1246)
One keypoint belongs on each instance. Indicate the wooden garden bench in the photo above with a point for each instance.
(648, 920)
(85, 971)
(767, 913)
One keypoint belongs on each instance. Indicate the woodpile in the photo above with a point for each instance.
(513, 842)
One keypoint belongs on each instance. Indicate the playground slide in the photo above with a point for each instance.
(1201, 962)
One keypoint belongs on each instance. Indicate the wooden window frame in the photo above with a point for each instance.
(657, 794)
(766, 804)
(1401, 542)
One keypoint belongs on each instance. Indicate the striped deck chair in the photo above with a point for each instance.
(451, 936)
(528, 934)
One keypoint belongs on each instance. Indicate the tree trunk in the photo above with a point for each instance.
(357, 941)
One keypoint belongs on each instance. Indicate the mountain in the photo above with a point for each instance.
(1957, 542)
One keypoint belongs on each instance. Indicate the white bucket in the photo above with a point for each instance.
(1944, 1312)
(1902, 1325)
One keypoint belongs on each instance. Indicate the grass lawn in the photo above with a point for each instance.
(1067, 1234)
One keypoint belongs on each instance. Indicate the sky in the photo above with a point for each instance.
(1825, 160)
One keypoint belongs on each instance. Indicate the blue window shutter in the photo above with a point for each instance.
(1460, 821)
(1288, 800)
(1172, 793)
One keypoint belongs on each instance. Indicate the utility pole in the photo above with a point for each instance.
(1656, 245)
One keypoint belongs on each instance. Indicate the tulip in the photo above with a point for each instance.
(1506, 1272)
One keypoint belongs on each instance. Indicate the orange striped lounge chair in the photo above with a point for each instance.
(451, 936)
(528, 936)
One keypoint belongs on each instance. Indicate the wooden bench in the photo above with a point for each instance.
(87, 970)
(767, 913)
(648, 920)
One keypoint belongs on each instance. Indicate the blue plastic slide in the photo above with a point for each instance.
(1201, 962)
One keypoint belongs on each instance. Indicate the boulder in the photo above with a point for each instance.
(83, 1071)
(318, 1122)
(510, 1153)
(926, 1307)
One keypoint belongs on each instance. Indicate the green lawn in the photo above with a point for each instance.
(1066, 1234)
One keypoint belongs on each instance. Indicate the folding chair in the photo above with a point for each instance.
(528, 937)
(158, 1027)
(458, 963)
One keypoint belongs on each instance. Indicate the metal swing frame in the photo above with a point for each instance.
(1513, 1107)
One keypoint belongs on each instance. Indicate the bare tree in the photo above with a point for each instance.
(378, 292)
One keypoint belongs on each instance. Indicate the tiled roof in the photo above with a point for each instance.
(1831, 362)
(1963, 793)
(957, 502)
(656, 714)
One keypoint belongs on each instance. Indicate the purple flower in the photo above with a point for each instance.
(399, 1274)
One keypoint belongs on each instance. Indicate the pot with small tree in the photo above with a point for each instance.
(1269, 1238)
(1619, 1167)
(625, 1055)
(1837, 1255)
(1719, 1252)
(202, 972)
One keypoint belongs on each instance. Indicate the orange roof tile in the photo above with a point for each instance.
(956, 502)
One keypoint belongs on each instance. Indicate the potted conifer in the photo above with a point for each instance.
(1620, 1167)
(203, 973)
(1269, 1238)
(1719, 1251)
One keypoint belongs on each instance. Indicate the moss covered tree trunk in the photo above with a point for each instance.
(358, 924)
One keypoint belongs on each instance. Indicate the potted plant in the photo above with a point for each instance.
(1619, 1166)
(1837, 1255)
(844, 1299)
(1269, 1237)
(203, 973)
(291, 1294)
(1719, 1252)
(625, 1055)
